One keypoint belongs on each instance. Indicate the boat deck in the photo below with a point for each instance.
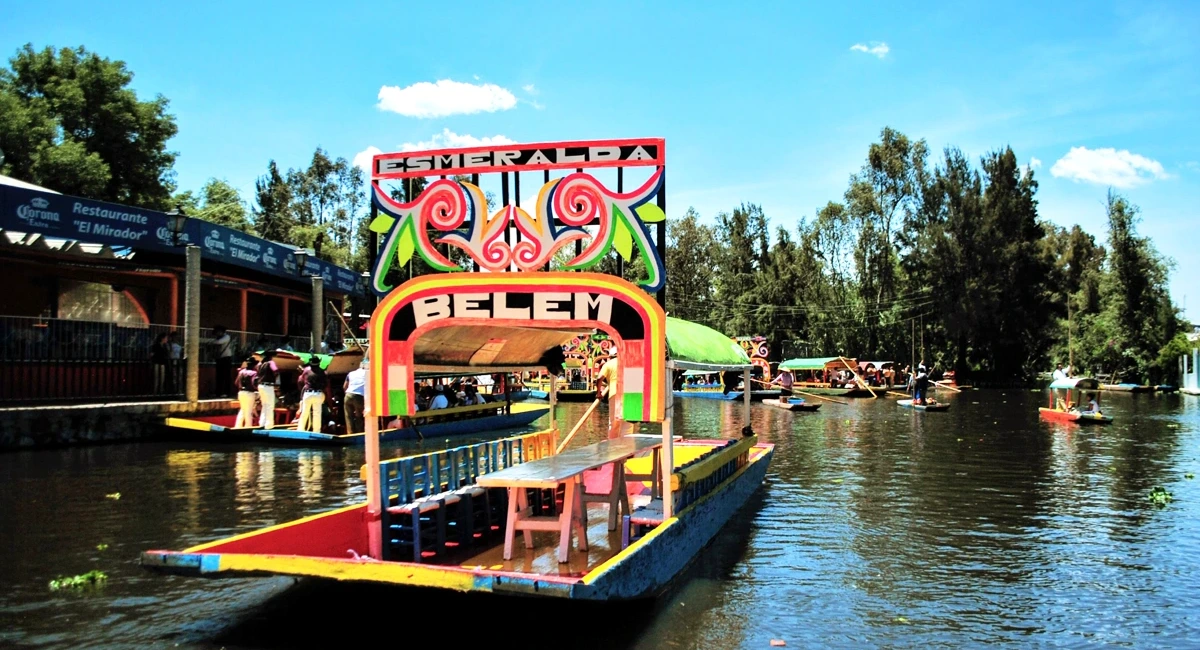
(542, 559)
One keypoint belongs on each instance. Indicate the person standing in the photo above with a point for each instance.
(1059, 373)
(606, 385)
(176, 363)
(785, 381)
(356, 391)
(160, 357)
(246, 379)
(223, 354)
(312, 391)
(921, 384)
(268, 379)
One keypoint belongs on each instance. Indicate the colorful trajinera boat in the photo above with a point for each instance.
(450, 519)
(1066, 398)
(818, 376)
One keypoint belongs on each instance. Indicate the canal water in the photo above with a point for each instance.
(876, 526)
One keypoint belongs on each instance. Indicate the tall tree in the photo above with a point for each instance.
(273, 217)
(70, 122)
(690, 267)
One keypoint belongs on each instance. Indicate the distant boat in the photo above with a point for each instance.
(793, 404)
(808, 373)
(1063, 405)
(934, 406)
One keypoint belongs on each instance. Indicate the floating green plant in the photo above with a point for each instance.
(102, 547)
(115, 496)
(1189, 475)
(1159, 496)
(81, 581)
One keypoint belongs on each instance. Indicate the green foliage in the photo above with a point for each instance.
(92, 578)
(952, 257)
(70, 122)
(1159, 496)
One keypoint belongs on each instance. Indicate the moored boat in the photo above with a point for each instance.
(1065, 397)
(450, 519)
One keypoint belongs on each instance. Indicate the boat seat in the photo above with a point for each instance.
(647, 516)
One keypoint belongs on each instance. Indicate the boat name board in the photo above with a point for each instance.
(541, 305)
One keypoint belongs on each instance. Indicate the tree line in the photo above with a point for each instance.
(945, 261)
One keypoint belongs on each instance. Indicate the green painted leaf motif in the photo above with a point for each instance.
(650, 213)
(622, 238)
(382, 223)
(405, 247)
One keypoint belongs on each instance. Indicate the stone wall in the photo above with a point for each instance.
(52, 426)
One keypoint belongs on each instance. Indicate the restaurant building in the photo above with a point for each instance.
(88, 286)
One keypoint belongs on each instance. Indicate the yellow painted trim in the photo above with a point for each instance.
(400, 573)
(185, 423)
(203, 547)
(711, 464)
(611, 562)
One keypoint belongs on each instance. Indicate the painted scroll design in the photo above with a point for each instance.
(459, 209)
(757, 348)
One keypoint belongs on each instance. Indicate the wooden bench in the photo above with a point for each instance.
(565, 469)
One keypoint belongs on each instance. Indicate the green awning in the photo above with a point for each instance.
(812, 363)
(692, 346)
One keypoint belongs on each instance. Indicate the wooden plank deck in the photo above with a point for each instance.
(542, 559)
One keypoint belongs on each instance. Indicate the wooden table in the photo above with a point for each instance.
(565, 469)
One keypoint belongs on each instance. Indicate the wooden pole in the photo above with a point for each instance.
(941, 385)
(345, 325)
(857, 378)
(800, 392)
(578, 425)
(892, 392)
(191, 321)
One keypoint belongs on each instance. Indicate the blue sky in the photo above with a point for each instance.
(771, 104)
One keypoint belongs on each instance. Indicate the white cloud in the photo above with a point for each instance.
(1120, 169)
(362, 159)
(530, 88)
(1034, 163)
(449, 139)
(446, 97)
(875, 49)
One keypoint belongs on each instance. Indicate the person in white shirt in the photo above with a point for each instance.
(606, 384)
(223, 354)
(1059, 373)
(439, 400)
(355, 394)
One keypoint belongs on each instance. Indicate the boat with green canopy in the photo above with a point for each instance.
(836, 376)
(716, 358)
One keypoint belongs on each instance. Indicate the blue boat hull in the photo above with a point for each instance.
(437, 429)
(704, 394)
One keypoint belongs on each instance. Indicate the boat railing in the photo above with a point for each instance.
(431, 497)
(701, 476)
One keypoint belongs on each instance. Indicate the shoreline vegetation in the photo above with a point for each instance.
(934, 258)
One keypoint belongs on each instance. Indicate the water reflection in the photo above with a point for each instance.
(877, 526)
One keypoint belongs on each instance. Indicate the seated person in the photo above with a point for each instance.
(472, 396)
(439, 401)
(1093, 408)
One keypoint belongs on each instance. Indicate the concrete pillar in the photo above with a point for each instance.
(318, 312)
(191, 321)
